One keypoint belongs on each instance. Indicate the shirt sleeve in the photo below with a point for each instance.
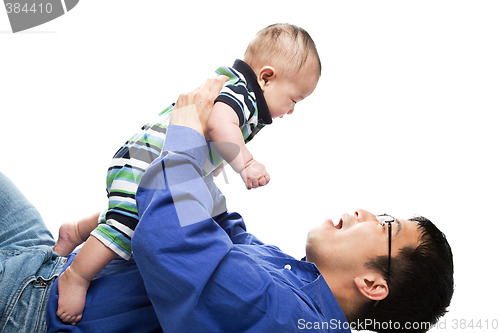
(238, 98)
(187, 259)
(231, 223)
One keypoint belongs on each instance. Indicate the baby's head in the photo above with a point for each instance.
(287, 65)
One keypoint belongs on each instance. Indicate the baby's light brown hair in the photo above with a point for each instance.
(283, 46)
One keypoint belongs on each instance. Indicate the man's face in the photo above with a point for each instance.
(346, 246)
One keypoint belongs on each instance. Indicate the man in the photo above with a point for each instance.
(204, 272)
(209, 275)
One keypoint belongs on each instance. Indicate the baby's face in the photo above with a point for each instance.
(285, 91)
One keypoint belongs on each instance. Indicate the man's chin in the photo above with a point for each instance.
(318, 235)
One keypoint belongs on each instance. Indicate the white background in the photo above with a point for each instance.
(404, 119)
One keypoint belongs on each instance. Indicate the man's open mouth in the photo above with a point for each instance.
(339, 224)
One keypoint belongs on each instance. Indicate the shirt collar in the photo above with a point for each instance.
(320, 293)
(253, 85)
(325, 302)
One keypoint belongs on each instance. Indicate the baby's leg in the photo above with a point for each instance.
(72, 290)
(73, 234)
(73, 283)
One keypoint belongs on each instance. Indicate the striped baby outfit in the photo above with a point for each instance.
(117, 223)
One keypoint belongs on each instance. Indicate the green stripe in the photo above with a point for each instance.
(124, 207)
(121, 191)
(157, 143)
(126, 247)
(232, 78)
(167, 110)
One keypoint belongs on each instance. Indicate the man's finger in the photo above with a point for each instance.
(217, 84)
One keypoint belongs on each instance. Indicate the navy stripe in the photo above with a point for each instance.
(122, 152)
(121, 194)
(148, 145)
(138, 153)
(119, 167)
(159, 129)
(128, 221)
(142, 155)
(249, 101)
(253, 86)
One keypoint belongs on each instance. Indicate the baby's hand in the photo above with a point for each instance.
(254, 174)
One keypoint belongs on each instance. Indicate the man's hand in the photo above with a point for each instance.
(193, 109)
(254, 175)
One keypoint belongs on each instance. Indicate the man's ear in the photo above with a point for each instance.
(266, 74)
(372, 285)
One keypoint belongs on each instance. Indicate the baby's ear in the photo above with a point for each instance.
(266, 74)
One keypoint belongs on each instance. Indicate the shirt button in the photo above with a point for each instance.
(288, 267)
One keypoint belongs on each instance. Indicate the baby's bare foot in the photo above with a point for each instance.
(72, 290)
(68, 239)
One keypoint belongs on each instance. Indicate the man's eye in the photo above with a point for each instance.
(294, 101)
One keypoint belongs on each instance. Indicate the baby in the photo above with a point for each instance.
(280, 68)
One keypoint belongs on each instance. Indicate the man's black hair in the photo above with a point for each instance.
(421, 285)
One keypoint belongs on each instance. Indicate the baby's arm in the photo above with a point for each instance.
(224, 131)
(75, 280)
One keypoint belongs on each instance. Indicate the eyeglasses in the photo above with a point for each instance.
(385, 219)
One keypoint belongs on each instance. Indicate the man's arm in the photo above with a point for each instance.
(187, 260)
(183, 254)
(177, 245)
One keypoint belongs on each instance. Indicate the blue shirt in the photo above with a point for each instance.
(203, 271)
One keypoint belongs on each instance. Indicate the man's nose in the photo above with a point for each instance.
(364, 216)
(291, 110)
